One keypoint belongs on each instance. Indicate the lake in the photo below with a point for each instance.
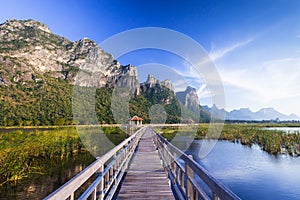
(39, 186)
(54, 155)
(250, 172)
(284, 129)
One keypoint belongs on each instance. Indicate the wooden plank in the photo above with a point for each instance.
(146, 178)
(68, 189)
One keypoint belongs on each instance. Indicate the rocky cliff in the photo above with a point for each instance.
(38, 72)
(32, 52)
(189, 98)
(153, 86)
(153, 82)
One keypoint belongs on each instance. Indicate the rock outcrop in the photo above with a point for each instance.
(167, 83)
(153, 82)
(38, 71)
(32, 52)
(189, 98)
(155, 87)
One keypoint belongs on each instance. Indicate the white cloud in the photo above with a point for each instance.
(204, 68)
(179, 85)
(252, 81)
(216, 54)
(274, 81)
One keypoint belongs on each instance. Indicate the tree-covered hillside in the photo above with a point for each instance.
(42, 74)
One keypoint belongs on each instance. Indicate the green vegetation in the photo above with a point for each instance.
(166, 98)
(169, 132)
(140, 105)
(49, 102)
(30, 97)
(44, 103)
(274, 142)
(23, 153)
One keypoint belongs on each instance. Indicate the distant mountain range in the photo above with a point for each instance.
(248, 115)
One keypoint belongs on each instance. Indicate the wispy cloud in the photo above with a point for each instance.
(194, 73)
(273, 81)
(216, 54)
(298, 36)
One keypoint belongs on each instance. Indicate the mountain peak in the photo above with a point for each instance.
(190, 89)
(39, 53)
(152, 82)
(267, 109)
(245, 109)
(167, 83)
(246, 114)
(14, 24)
(189, 98)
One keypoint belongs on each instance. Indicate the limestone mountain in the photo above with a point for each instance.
(32, 52)
(189, 98)
(179, 110)
(153, 82)
(39, 70)
(162, 89)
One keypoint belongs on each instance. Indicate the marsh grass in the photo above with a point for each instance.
(271, 141)
(23, 153)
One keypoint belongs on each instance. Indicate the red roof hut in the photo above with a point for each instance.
(136, 120)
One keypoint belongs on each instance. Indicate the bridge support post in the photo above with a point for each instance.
(173, 165)
(189, 187)
(72, 196)
(100, 188)
(215, 197)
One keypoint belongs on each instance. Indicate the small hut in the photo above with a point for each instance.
(136, 120)
(190, 121)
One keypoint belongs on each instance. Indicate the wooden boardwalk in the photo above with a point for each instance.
(146, 178)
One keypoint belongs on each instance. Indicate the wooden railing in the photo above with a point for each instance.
(109, 169)
(188, 179)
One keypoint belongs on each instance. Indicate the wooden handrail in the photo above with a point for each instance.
(119, 156)
(182, 171)
(186, 171)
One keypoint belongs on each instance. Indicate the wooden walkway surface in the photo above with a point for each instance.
(146, 178)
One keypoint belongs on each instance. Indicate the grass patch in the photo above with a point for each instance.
(271, 141)
(24, 153)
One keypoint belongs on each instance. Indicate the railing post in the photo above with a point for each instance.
(174, 167)
(101, 185)
(181, 179)
(188, 185)
(72, 196)
(215, 197)
(95, 194)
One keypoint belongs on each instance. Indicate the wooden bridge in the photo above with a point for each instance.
(144, 166)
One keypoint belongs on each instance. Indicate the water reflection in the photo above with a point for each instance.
(284, 129)
(250, 172)
(37, 187)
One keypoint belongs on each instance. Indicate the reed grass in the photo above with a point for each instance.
(271, 141)
(25, 153)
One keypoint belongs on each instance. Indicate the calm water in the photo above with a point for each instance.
(58, 171)
(252, 173)
(39, 186)
(284, 129)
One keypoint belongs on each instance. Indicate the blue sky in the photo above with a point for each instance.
(255, 45)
